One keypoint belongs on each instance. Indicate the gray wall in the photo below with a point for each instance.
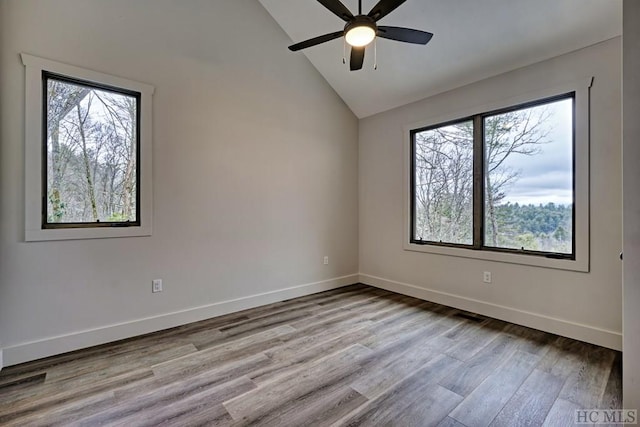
(631, 224)
(255, 172)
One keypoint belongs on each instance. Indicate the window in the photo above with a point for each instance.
(91, 141)
(509, 184)
(88, 153)
(528, 178)
(443, 184)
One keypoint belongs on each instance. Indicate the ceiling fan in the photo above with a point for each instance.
(360, 30)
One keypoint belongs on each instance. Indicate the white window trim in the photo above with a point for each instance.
(581, 159)
(34, 157)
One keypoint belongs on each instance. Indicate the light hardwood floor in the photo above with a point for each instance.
(352, 356)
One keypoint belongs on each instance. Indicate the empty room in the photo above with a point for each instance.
(319, 212)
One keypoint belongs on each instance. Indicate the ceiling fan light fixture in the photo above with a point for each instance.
(360, 35)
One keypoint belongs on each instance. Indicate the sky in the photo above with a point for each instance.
(547, 176)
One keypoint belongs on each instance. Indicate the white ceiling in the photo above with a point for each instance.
(472, 40)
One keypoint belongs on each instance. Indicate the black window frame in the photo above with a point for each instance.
(46, 76)
(479, 172)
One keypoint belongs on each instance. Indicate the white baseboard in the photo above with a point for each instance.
(63, 343)
(590, 334)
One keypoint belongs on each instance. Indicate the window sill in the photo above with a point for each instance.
(579, 265)
(39, 235)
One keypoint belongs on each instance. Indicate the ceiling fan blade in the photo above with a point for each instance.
(383, 8)
(407, 35)
(316, 40)
(357, 58)
(338, 9)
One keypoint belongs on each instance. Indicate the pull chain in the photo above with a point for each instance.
(344, 50)
(375, 53)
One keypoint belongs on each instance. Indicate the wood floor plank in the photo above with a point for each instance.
(480, 407)
(409, 318)
(320, 407)
(464, 328)
(335, 301)
(219, 373)
(415, 400)
(338, 294)
(612, 397)
(284, 364)
(221, 339)
(200, 415)
(114, 366)
(28, 378)
(564, 357)
(351, 295)
(353, 298)
(531, 340)
(172, 394)
(476, 369)
(190, 402)
(268, 397)
(25, 384)
(205, 338)
(263, 323)
(382, 373)
(257, 316)
(427, 406)
(71, 380)
(291, 306)
(530, 405)
(359, 311)
(398, 359)
(450, 422)
(402, 311)
(389, 333)
(475, 339)
(586, 386)
(49, 402)
(347, 329)
(561, 414)
(204, 359)
(63, 413)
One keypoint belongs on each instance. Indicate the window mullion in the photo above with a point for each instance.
(478, 182)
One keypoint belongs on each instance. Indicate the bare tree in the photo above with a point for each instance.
(82, 123)
(516, 132)
(62, 99)
(444, 177)
(123, 117)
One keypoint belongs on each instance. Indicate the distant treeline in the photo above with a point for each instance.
(539, 227)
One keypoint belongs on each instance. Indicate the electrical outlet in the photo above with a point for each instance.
(486, 277)
(156, 285)
(326, 260)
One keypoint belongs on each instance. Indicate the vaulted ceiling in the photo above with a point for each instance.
(472, 40)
